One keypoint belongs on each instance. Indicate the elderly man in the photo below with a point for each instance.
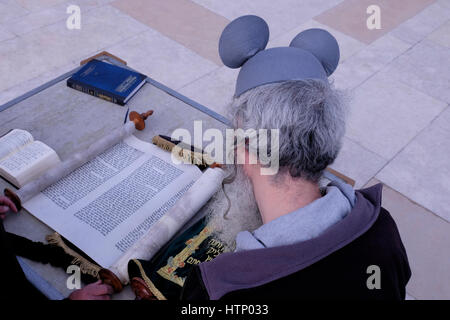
(286, 237)
(289, 238)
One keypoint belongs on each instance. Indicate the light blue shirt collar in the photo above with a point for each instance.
(304, 223)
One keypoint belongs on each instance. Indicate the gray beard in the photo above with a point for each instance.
(243, 214)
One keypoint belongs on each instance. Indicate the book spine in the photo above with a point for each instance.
(95, 92)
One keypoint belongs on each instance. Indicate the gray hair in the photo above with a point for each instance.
(310, 116)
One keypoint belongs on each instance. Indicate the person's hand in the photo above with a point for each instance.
(93, 291)
(6, 205)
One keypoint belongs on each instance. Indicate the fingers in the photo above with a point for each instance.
(98, 288)
(88, 293)
(9, 204)
(110, 289)
(4, 209)
(104, 289)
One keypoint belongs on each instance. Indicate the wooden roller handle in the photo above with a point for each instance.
(139, 119)
(111, 279)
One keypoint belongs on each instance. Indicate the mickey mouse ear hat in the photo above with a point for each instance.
(312, 54)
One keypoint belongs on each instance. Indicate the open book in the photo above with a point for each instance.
(23, 159)
(121, 197)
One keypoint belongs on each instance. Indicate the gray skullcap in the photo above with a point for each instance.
(312, 54)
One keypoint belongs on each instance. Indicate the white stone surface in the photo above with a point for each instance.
(37, 19)
(425, 67)
(55, 46)
(425, 22)
(33, 5)
(387, 114)
(9, 10)
(357, 162)
(281, 17)
(162, 59)
(441, 35)
(422, 170)
(31, 84)
(368, 61)
(214, 90)
(5, 34)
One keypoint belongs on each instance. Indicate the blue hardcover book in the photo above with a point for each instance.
(107, 81)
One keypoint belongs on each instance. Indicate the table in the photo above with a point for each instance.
(69, 121)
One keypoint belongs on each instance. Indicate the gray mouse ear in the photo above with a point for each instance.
(322, 45)
(241, 39)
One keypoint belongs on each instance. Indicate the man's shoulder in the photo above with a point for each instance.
(383, 234)
(344, 274)
(345, 268)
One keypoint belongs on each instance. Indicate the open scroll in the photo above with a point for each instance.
(125, 203)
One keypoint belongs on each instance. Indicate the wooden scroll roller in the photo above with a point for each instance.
(33, 188)
(185, 153)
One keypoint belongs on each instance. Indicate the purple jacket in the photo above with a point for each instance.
(333, 265)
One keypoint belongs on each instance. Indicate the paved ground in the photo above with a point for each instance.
(399, 79)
